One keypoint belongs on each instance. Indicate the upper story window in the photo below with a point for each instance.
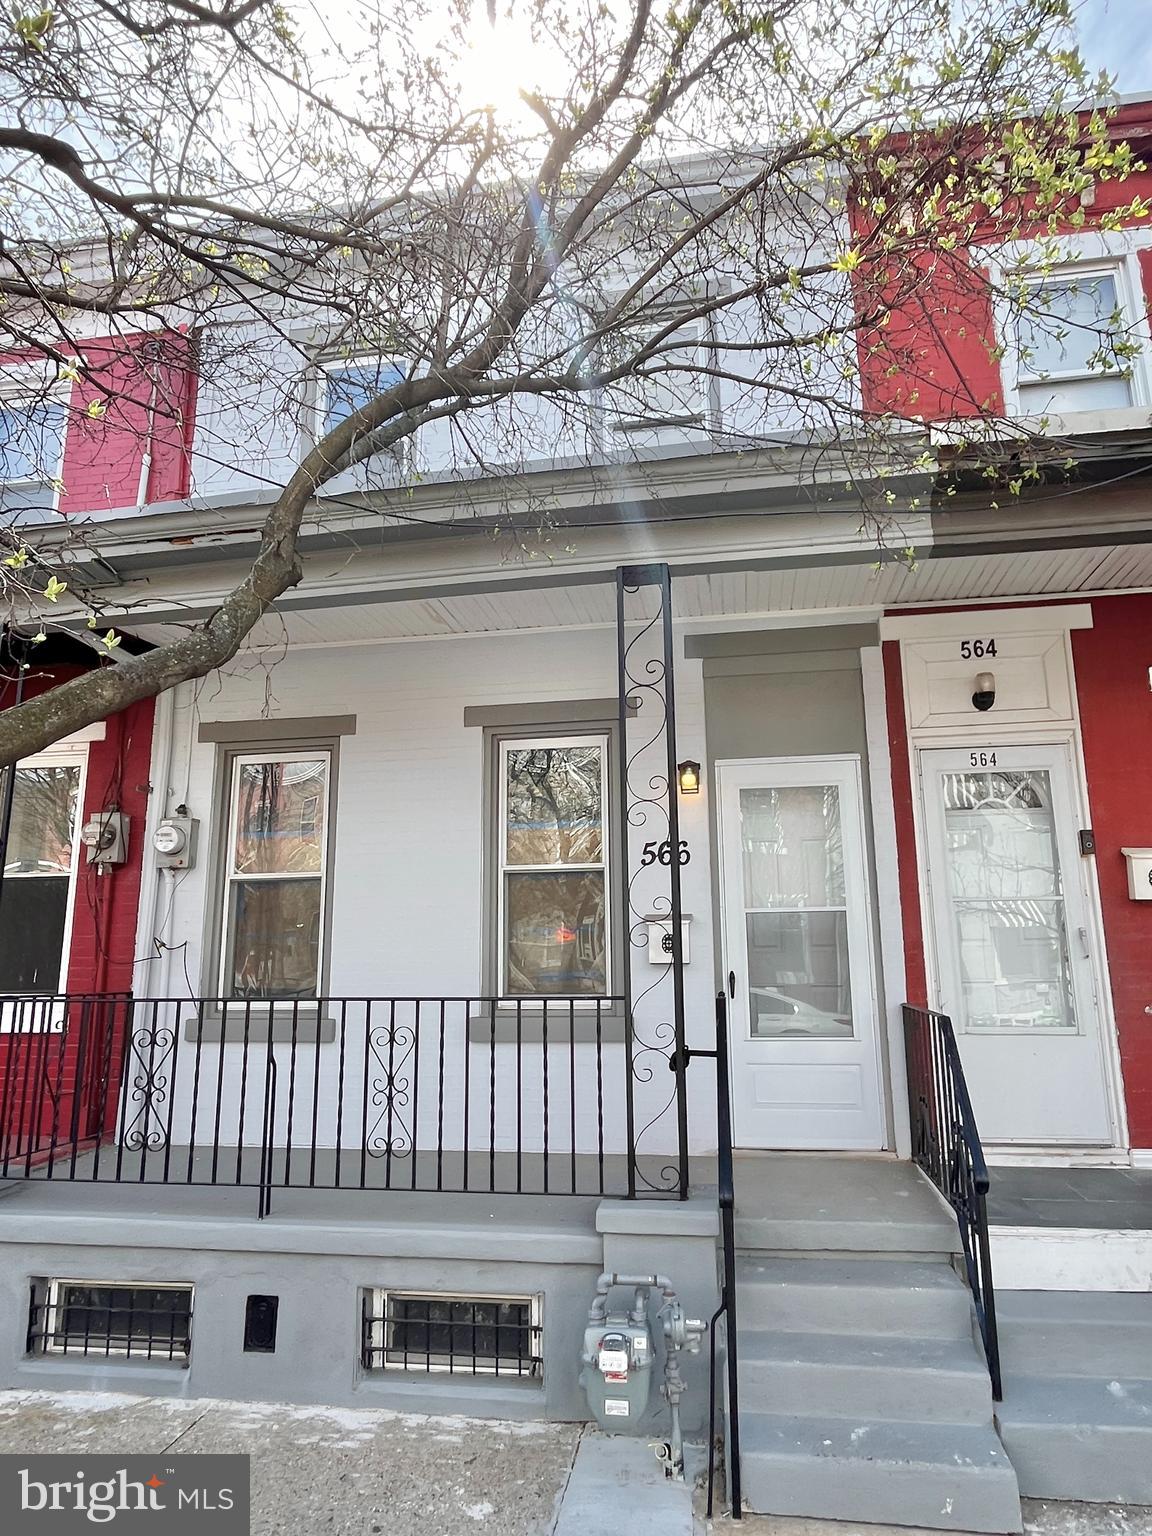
(668, 389)
(31, 454)
(552, 867)
(346, 384)
(1072, 344)
(275, 874)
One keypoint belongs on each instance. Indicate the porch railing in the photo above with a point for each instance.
(457, 1094)
(946, 1145)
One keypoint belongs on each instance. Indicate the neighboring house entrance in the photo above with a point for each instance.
(797, 954)
(1013, 941)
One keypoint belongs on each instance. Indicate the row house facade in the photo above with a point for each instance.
(366, 1002)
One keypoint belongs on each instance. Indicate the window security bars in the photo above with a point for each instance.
(82, 1317)
(460, 1094)
(946, 1146)
(461, 1335)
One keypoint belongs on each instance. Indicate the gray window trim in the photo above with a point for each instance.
(561, 714)
(483, 1028)
(254, 734)
(793, 640)
(212, 1026)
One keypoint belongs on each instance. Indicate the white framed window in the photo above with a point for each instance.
(128, 1318)
(668, 390)
(345, 384)
(460, 1334)
(275, 874)
(552, 867)
(1070, 342)
(41, 864)
(32, 433)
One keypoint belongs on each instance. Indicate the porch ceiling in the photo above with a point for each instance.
(709, 597)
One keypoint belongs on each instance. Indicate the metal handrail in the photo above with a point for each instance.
(946, 1146)
(726, 1200)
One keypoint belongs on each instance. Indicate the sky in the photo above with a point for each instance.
(1116, 35)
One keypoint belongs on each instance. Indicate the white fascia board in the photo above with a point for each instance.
(1034, 619)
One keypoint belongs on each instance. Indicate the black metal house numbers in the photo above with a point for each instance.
(661, 853)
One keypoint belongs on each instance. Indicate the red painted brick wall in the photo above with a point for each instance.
(147, 391)
(104, 918)
(933, 358)
(1112, 660)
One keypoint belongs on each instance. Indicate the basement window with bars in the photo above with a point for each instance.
(461, 1335)
(119, 1320)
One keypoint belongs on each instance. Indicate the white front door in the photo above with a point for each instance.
(1012, 942)
(798, 966)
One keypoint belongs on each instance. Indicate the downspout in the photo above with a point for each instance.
(149, 436)
(148, 922)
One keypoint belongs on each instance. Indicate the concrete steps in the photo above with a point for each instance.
(865, 1397)
(811, 1204)
(843, 1295)
(940, 1476)
(865, 1378)
(1076, 1418)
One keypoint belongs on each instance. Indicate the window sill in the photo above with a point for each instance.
(304, 1026)
(507, 1026)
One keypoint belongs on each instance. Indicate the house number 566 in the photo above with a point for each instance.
(662, 853)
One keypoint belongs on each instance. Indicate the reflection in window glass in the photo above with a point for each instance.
(37, 876)
(553, 875)
(348, 386)
(1068, 346)
(274, 901)
(795, 912)
(1007, 901)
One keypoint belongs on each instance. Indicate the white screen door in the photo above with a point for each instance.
(802, 1008)
(1013, 967)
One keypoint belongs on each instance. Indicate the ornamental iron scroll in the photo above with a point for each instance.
(390, 1068)
(148, 1071)
(656, 1102)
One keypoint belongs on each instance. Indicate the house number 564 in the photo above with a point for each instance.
(662, 853)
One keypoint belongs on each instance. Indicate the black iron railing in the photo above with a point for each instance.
(485, 1094)
(726, 1199)
(946, 1145)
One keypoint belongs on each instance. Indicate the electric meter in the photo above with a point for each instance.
(175, 842)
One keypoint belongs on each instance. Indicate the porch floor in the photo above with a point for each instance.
(830, 1202)
(1099, 1199)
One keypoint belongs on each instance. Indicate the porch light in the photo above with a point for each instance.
(985, 695)
(688, 777)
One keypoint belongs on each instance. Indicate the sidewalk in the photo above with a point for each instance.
(328, 1472)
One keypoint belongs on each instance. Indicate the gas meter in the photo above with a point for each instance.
(619, 1353)
(617, 1374)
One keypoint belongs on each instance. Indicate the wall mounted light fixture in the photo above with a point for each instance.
(985, 694)
(688, 777)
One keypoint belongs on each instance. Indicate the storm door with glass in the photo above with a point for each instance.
(802, 1006)
(1012, 941)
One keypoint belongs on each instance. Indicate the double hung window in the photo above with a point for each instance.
(349, 384)
(664, 387)
(31, 452)
(275, 874)
(1072, 343)
(552, 867)
(40, 861)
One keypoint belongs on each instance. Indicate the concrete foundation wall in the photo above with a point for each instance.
(319, 1272)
